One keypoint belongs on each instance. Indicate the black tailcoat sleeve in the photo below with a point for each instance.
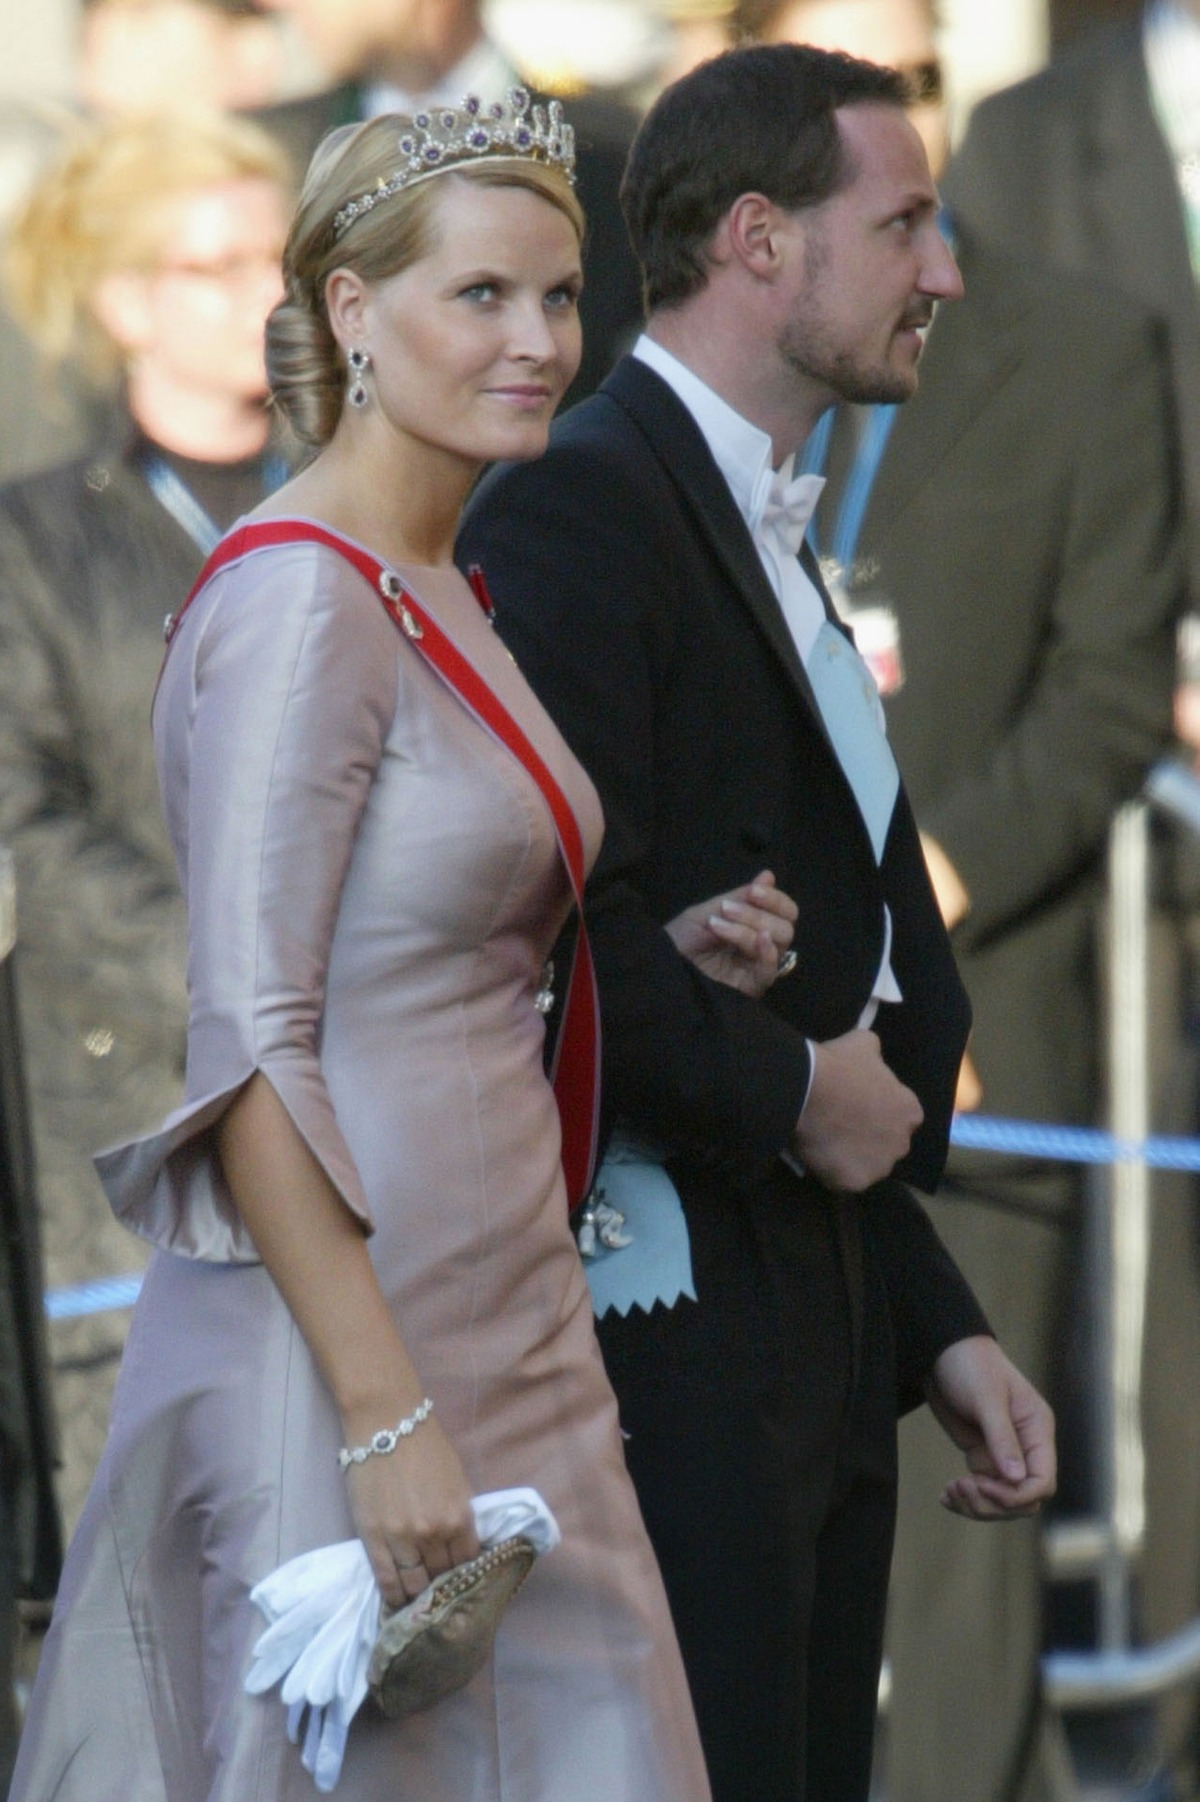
(630, 593)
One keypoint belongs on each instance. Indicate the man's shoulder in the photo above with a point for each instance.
(1062, 88)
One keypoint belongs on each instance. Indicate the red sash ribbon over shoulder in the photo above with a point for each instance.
(576, 1073)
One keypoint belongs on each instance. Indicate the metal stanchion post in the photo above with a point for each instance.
(1128, 1219)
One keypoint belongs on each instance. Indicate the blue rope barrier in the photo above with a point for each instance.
(971, 1132)
(1071, 1144)
(92, 1298)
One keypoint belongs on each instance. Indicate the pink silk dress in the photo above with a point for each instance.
(373, 885)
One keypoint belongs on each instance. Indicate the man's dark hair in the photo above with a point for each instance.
(759, 120)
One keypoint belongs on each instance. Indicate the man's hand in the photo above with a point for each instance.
(1002, 1424)
(859, 1119)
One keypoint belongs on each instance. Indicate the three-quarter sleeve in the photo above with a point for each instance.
(270, 724)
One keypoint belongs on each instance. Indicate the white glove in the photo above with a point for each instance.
(323, 1614)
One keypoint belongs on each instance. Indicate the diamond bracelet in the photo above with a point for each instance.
(387, 1438)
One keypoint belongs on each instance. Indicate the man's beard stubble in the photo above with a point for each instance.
(810, 347)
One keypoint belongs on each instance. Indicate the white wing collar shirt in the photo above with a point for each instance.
(777, 508)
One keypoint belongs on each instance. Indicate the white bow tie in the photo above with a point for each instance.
(789, 505)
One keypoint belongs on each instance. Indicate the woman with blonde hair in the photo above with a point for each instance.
(360, 1213)
(149, 252)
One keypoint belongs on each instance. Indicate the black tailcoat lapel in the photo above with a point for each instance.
(679, 445)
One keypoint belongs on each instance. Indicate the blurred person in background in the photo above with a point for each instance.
(394, 56)
(150, 252)
(1007, 549)
(1094, 165)
(698, 29)
(146, 55)
(30, 1538)
(134, 56)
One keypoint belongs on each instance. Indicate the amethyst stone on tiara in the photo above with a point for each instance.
(448, 135)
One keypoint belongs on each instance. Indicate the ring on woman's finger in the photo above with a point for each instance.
(786, 964)
(413, 1564)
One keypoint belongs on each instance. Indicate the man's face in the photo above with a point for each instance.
(868, 266)
(896, 32)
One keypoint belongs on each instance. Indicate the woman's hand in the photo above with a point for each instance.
(739, 938)
(411, 1508)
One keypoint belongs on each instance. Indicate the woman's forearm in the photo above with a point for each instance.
(316, 1254)
(411, 1507)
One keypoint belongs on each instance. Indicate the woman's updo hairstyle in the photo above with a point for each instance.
(306, 368)
(103, 207)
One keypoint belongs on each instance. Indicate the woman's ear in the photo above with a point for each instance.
(347, 305)
(121, 304)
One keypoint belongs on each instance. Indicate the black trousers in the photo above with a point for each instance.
(761, 1425)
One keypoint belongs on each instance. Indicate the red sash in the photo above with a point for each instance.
(576, 1073)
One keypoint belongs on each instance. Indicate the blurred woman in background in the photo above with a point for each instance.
(150, 254)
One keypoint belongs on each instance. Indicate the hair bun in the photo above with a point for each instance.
(304, 371)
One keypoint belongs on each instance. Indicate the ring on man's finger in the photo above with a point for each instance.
(786, 964)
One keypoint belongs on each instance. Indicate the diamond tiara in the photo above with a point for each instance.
(441, 137)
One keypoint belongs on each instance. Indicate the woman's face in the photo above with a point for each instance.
(197, 319)
(473, 346)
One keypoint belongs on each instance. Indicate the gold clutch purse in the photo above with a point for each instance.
(436, 1643)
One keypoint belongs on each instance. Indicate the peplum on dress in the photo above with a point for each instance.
(373, 885)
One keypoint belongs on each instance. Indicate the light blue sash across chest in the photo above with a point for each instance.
(657, 1264)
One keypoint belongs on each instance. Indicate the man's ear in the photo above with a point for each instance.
(347, 306)
(751, 234)
(121, 303)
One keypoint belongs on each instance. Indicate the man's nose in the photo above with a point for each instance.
(940, 275)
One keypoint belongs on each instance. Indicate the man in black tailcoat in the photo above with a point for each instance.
(647, 579)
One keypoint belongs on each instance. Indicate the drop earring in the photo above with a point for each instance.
(359, 362)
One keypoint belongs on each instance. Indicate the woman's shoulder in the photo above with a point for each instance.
(283, 599)
(287, 561)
